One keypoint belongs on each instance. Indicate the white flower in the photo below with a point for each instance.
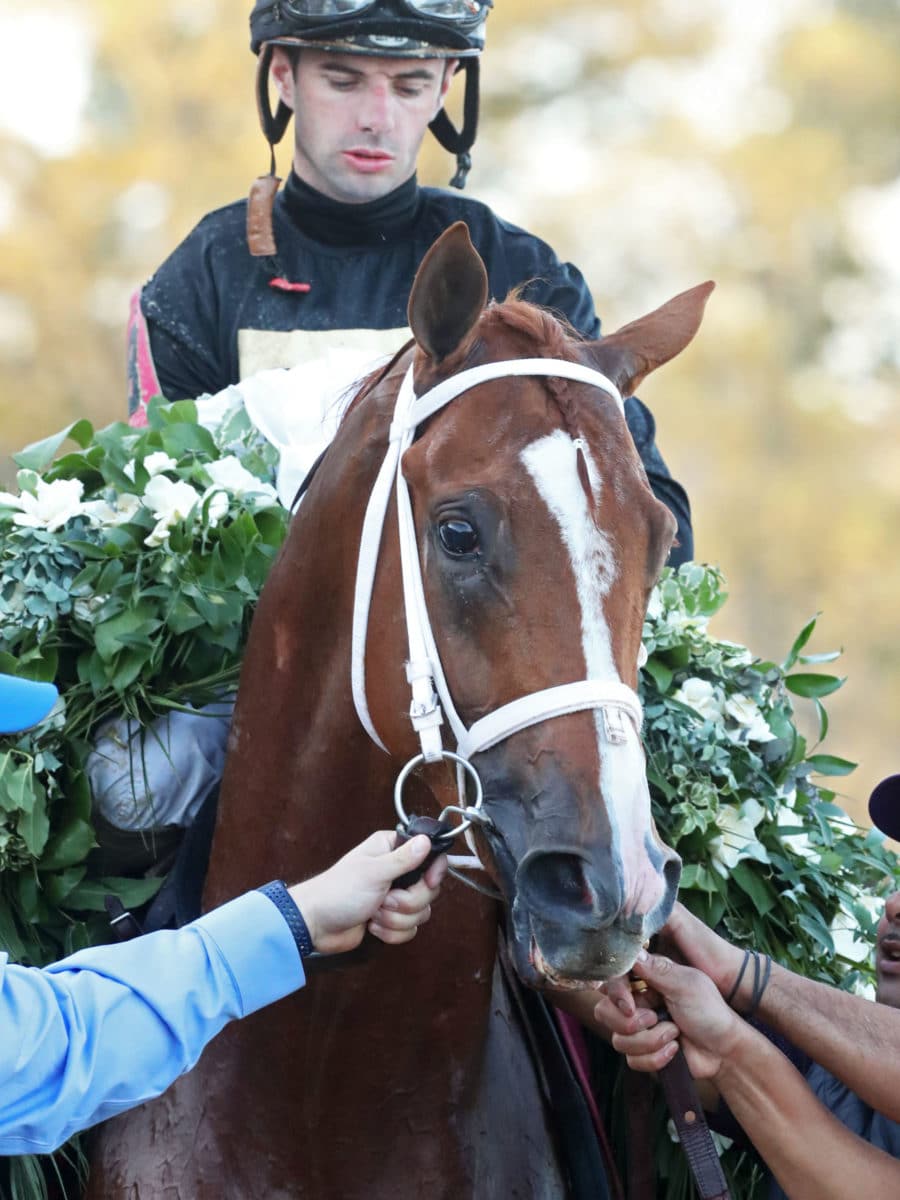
(170, 502)
(680, 622)
(799, 843)
(746, 713)
(123, 508)
(702, 697)
(788, 795)
(738, 837)
(218, 504)
(736, 653)
(234, 478)
(157, 462)
(50, 508)
(845, 934)
(655, 606)
(85, 607)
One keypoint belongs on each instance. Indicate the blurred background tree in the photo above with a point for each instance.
(655, 143)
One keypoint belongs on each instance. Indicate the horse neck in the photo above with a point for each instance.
(303, 782)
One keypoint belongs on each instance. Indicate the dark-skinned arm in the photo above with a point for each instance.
(812, 1155)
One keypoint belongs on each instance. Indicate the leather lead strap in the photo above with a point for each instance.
(638, 1092)
(696, 1140)
(260, 230)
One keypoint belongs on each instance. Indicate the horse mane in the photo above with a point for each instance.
(549, 336)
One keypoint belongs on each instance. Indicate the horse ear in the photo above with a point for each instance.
(629, 355)
(448, 294)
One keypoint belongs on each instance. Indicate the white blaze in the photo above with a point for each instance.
(551, 463)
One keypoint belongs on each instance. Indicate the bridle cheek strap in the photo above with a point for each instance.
(431, 699)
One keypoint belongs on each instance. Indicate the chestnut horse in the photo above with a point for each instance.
(402, 1073)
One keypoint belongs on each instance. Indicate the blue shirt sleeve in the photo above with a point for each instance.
(113, 1026)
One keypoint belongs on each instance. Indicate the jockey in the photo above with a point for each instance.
(321, 267)
(328, 261)
(113, 1026)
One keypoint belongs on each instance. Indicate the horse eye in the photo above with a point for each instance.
(458, 538)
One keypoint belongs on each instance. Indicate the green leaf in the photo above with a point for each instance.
(68, 846)
(661, 675)
(160, 412)
(810, 686)
(58, 885)
(134, 624)
(33, 826)
(823, 719)
(817, 930)
(829, 764)
(19, 791)
(762, 895)
(39, 455)
(178, 440)
(802, 638)
(89, 896)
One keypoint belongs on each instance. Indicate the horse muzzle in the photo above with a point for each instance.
(574, 919)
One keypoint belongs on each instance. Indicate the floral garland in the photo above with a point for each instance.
(129, 570)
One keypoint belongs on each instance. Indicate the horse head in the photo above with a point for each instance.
(538, 541)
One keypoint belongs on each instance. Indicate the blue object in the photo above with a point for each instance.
(113, 1026)
(280, 896)
(24, 703)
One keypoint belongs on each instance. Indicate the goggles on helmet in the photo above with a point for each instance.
(466, 14)
(446, 27)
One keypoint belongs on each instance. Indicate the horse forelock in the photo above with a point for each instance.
(543, 335)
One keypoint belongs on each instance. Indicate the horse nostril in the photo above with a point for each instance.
(555, 880)
(672, 875)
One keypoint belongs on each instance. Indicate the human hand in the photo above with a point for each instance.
(686, 938)
(708, 1029)
(356, 893)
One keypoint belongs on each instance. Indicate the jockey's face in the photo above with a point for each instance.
(359, 121)
(887, 953)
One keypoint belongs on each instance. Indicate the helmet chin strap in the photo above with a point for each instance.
(460, 141)
(260, 227)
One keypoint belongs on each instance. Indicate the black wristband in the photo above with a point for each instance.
(281, 898)
(737, 983)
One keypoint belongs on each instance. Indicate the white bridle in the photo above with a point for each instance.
(431, 699)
